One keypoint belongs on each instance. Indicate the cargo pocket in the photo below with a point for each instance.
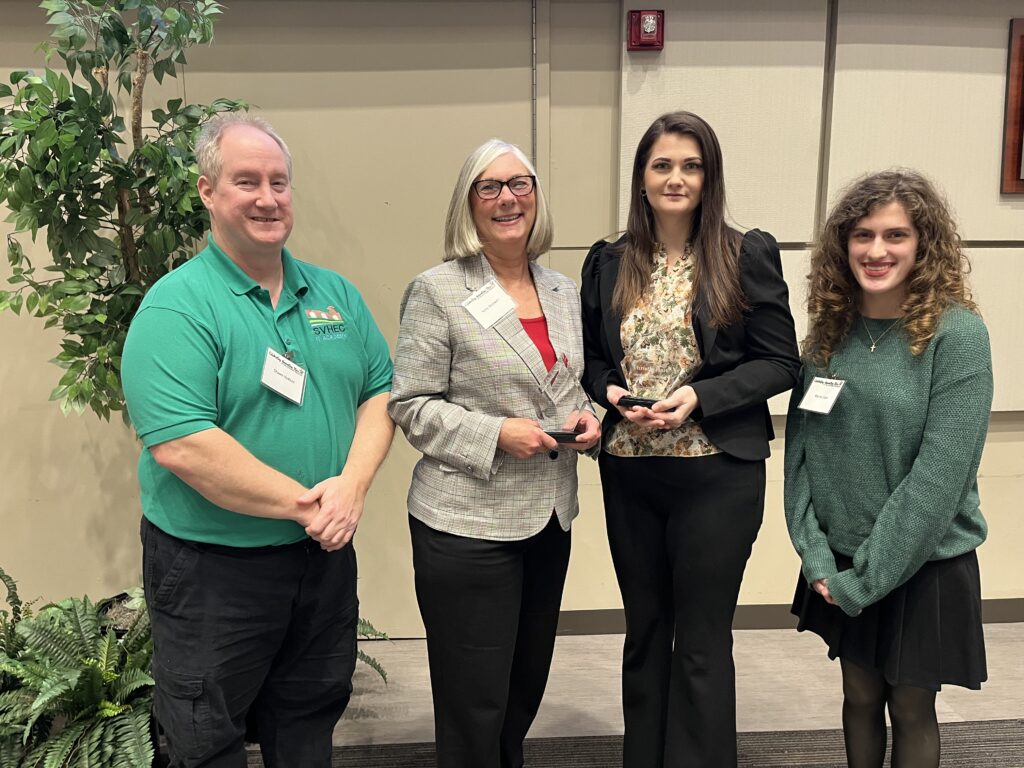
(183, 712)
(166, 577)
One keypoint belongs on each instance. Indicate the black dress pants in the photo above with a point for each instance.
(490, 609)
(680, 531)
(262, 637)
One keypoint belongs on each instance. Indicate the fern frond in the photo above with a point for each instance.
(84, 622)
(90, 691)
(55, 687)
(373, 664)
(11, 751)
(108, 653)
(130, 681)
(90, 750)
(45, 638)
(110, 709)
(134, 746)
(34, 756)
(107, 742)
(13, 599)
(366, 631)
(31, 674)
(60, 747)
(15, 709)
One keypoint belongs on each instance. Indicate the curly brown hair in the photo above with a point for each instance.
(936, 281)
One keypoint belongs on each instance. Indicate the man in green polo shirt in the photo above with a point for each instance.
(258, 385)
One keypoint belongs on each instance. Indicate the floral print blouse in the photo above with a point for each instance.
(661, 354)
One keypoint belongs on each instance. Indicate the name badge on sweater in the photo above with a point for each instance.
(821, 395)
(489, 304)
(284, 377)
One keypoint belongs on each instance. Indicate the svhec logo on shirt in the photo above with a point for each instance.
(327, 324)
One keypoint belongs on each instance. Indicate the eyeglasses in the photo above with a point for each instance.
(488, 189)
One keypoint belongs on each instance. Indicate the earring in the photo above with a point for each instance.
(643, 193)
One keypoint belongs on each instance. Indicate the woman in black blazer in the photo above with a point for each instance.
(684, 311)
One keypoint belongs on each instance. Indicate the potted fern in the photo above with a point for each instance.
(72, 691)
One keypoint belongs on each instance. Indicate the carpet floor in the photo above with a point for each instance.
(981, 744)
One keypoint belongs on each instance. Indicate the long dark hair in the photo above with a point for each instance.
(716, 245)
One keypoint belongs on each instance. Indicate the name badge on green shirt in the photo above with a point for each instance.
(284, 377)
(821, 395)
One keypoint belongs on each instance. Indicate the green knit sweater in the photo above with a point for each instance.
(889, 477)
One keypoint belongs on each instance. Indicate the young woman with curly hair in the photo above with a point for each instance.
(883, 442)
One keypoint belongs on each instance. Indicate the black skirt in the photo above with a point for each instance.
(925, 633)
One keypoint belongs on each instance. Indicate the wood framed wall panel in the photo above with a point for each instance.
(1013, 133)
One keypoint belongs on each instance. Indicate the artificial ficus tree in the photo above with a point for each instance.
(113, 188)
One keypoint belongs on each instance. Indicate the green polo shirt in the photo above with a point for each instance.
(193, 360)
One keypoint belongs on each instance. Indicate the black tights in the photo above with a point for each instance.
(915, 731)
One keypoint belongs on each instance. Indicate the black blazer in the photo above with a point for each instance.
(743, 364)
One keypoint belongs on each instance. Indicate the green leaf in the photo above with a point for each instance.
(5, 90)
(76, 303)
(14, 303)
(63, 88)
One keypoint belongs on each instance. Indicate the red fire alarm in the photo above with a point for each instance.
(646, 30)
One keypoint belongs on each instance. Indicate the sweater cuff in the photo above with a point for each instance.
(819, 563)
(848, 592)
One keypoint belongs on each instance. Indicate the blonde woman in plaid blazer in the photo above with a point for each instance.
(489, 356)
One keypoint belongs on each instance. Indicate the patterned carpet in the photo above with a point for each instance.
(982, 744)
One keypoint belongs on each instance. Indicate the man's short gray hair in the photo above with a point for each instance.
(461, 238)
(208, 144)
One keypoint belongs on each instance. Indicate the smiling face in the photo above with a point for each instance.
(882, 252)
(250, 203)
(507, 220)
(673, 178)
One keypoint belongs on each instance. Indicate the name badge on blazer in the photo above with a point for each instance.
(489, 304)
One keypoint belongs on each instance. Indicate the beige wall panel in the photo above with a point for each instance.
(1001, 485)
(754, 71)
(583, 183)
(69, 513)
(922, 84)
(795, 266)
(997, 278)
(591, 583)
(773, 566)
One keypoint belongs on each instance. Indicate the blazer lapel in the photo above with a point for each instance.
(553, 302)
(705, 333)
(612, 318)
(509, 328)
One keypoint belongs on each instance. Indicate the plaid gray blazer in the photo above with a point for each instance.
(454, 384)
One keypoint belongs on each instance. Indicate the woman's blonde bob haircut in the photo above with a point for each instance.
(460, 236)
